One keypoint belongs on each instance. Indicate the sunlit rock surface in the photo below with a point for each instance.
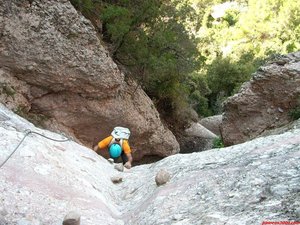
(244, 184)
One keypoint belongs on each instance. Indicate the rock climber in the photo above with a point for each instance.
(117, 145)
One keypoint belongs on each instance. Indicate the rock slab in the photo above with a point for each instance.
(251, 182)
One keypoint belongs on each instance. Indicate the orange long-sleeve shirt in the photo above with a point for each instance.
(106, 141)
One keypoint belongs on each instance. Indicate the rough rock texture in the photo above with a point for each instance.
(13, 92)
(264, 102)
(244, 184)
(196, 138)
(212, 123)
(66, 75)
(45, 180)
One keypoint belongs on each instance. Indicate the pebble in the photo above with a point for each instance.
(162, 177)
(111, 161)
(72, 218)
(116, 179)
(119, 167)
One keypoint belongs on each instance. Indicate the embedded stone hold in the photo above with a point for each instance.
(72, 218)
(111, 161)
(119, 167)
(162, 177)
(116, 179)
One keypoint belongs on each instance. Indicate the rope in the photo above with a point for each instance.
(26, 134)
(52, 139)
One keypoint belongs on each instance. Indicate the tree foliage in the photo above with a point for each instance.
(194, 53)
(151, 39)
(236, 43)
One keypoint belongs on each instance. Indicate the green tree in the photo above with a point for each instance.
(185, 55)
(225, 77)
(151, 39)
(85, 6)
(238, 42)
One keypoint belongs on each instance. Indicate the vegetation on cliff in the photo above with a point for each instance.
(193, 53)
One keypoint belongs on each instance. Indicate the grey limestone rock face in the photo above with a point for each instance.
(243, 184)
(54, 54)
(264, 102)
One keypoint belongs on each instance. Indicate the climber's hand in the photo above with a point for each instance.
(127, 165)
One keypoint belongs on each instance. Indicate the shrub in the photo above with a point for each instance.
(295, 113)
(7, 90)
(37, 119)
(218, 143)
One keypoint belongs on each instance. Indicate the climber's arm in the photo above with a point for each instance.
(127, 151)
(129, 156)
(103, 144)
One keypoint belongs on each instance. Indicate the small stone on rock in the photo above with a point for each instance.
(116, 179)
(119, 167)
(162, 177)
(111, 161)
(72, 218)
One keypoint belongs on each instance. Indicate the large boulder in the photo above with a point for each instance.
(46, 180)
(196, 138)
(69, 81)
(212, 123)
(200, 136)
(264, 102)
